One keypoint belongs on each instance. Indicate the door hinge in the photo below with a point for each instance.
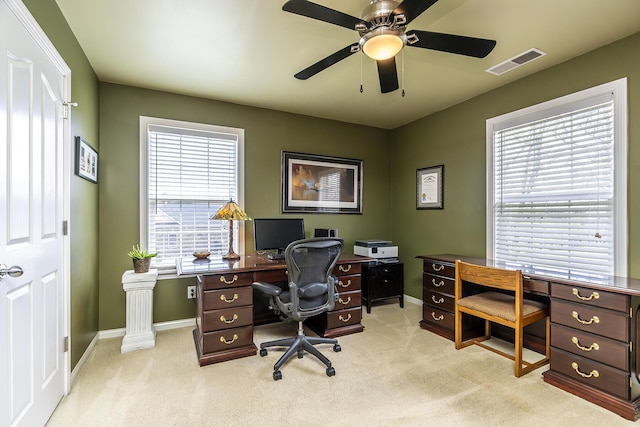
(65, 227)
(66, 108)
(65, 344)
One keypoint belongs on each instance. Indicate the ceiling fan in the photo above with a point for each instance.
(383, 33)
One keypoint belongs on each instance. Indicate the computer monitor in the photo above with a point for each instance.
(276, 233)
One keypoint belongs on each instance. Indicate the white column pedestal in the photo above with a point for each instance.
(140, 332)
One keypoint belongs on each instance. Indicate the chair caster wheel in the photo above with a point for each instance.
(330, 371)
(300, 354)
(277, 375)
(337, 348)
(263, 352)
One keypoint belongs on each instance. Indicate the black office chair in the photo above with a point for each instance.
(312, 290)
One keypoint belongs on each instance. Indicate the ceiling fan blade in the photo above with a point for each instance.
(388, 75)
(413, 8)
(462, 45)
(326, 62)
(321, 13)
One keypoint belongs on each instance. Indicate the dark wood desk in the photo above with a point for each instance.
(594, 327)
(227, 310)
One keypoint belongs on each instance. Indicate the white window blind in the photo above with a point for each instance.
(554, 189)
(191, 171)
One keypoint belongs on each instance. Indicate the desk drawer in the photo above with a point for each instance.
(340, 318)
(272, 276)
(608, 323)
(534, 286)
(594, 347)
(227, 318)
(225, 298)
(221, 281)
(348, 300)
(438, 268)
(348, 283)
(437, 299)
(347, 268)
(591, 297)
(438, 284)
(436, 316)
(227, 339)
(592, 373)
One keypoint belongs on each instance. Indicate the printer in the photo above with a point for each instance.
(375, 249)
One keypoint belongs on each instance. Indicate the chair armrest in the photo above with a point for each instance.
(267, 288)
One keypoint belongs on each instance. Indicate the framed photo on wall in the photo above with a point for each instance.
(430, 187)
(86, 161)
(321, 184)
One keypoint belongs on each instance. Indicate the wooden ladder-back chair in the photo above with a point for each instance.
(508, 309)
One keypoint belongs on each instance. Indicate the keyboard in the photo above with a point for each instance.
(275, 257)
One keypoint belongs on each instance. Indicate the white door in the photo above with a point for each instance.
(32, 305)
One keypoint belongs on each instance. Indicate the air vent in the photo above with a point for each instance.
(516, 61)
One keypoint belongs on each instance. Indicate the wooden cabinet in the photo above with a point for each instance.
(224, 317)
(346, 316)
(381, 282)
(438, 299)
(592, 354)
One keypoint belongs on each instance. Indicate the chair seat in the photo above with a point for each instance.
(500, 305)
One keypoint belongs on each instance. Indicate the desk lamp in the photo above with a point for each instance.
(231, 211)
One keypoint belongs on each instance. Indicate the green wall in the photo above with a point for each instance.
(456, 138)
(267, 134)
(83, 220)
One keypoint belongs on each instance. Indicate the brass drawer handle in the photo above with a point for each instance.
(437, 267)
(593, 346)
(343, 319)
(594, 295)
(437, 301)
(228, 301)
(594, 319)
(228, 322)
(594, 373)
(224, 341)
(222, 279)
(344, 269)
(344, 285)
(437, 285)
(344, 302)
(439, 318)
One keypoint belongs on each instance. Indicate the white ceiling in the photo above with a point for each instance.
(247, 51)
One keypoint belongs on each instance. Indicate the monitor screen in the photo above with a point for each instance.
(276, 233)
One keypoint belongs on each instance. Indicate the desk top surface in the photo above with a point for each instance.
(625, 285)
(253, 262)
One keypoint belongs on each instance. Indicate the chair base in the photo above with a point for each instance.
(298, 345)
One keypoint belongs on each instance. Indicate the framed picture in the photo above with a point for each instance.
(430, 187)
(321, 184)
(86, 160)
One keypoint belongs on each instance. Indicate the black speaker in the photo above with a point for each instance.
(326, 232)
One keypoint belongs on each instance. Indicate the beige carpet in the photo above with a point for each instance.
(392, 374)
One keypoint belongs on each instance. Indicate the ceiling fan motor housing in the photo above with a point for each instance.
(378, 14)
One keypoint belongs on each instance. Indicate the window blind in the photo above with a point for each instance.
(554, 191)
(191, 174)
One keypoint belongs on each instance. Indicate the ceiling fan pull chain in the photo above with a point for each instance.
(361, 88)
(402, 53)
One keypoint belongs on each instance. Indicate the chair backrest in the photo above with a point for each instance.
(310, 264)
(509, 280)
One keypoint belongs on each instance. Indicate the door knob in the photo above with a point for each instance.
(13, 271)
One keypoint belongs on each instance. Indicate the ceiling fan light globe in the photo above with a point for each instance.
(382, 46)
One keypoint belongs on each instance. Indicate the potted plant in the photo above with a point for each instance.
(141, 259)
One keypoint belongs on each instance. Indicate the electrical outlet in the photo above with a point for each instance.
(191, 292)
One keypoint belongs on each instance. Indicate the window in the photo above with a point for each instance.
(188, 172)
(556, 184)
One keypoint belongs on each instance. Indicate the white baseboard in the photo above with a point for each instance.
(83, 360)
(412, 300)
